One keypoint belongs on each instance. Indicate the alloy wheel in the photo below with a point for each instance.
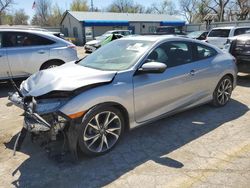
(102, 132)
(224, 91)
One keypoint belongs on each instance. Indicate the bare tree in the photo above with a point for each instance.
(4, 5)
(188, 9)
(79, 5)
(218, 7)
(244, 9)
(56, 16)
(43, 11)
(164, 7)
(127, 6)
(20, 18)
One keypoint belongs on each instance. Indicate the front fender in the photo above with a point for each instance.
(119, 92)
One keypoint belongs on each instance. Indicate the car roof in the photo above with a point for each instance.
(243, 36)
(44, 33)
(231, 27)
(159, 38)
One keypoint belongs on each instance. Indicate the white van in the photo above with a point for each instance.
(218, 36)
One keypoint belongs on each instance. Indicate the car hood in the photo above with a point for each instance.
(67, 77)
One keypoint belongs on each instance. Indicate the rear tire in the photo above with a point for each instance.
(222, 92)
(51, 64)
(101, 129)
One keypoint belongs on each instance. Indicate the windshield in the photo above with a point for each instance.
(116, 55)
(219, 33)
(195, 34)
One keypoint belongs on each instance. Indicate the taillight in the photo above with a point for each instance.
(234, 60)
(72, 46)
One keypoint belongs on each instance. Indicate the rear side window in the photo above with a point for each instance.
(219, 33)
(241, 31)
(203, 52)
(19, 39)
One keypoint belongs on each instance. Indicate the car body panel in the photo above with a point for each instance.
(221, 41)
(146, 96)
(239, 47)
(26, 60)
(67, 77)
(21, 59)
(3, 63)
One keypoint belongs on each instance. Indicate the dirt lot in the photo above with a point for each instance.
(203, 147)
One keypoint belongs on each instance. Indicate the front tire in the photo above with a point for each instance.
(101, 129)
(222, 92)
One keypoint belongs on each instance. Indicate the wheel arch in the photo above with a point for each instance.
(51, 61)
(122, 109)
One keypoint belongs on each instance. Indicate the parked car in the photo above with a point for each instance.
(169, 30)
(127, 83)
(239, 47)
(219, 36)
(199, 35)
(92, 45)
(24, 52)
(119, 32)
(95, 44)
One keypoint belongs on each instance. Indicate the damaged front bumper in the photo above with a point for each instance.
(32, 121)
(48, 123)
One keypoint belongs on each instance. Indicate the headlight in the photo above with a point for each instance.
(48, 106)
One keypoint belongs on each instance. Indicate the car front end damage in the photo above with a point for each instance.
(44, 121)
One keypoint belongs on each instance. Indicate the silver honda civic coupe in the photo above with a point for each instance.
(126, 83)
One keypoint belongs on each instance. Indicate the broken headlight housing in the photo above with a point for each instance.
(48, 106)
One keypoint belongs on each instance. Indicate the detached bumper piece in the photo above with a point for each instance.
(16, 100)
(35, 123)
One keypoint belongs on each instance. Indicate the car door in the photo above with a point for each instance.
(25, 52)
(218, 37)
(157, 94)
(4, 68)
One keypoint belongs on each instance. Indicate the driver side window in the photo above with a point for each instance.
(172, 53)
(158, 55)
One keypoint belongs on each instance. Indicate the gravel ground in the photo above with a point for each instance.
(202, 147)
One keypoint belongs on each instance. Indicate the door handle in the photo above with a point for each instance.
(41, 52)
(192, 72)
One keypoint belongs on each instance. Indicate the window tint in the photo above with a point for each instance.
(240, 31)
(203, 52)
(14, 39)
(219, 33)
(172, 54)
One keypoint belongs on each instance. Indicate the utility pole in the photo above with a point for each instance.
(92, 6)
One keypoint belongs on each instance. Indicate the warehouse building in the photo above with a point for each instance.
(84, 26)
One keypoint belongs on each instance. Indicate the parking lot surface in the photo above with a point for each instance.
(202, 147)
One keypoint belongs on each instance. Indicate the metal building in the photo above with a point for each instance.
(85, 26)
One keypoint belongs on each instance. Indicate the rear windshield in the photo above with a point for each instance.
(219, 33)
(241, 31)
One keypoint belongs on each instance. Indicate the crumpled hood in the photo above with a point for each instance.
(67, 77)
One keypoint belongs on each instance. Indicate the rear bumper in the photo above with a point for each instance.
(243, 64)
(89, 48)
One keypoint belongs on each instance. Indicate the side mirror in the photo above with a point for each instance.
(152, 67)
